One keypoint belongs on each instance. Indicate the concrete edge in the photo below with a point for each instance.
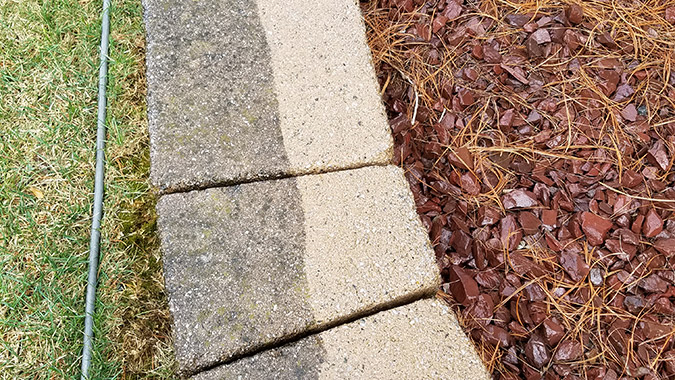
(400, 301)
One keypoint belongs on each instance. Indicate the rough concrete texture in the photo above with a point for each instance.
(233, 267)
(225, 106)
(251, 264)
(421, 340)
(212, 110)
(331, 113)
(364, 242)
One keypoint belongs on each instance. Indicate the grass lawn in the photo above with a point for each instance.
(48, 86)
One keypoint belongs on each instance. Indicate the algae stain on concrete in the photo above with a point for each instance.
(235, 267)
(213, 113)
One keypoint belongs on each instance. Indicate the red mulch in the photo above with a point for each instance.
(538, 141)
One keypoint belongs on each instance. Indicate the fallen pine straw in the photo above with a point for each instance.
(538, 140)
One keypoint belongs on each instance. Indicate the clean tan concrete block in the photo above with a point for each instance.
(250, 265)
(331, 113)
(421, 340)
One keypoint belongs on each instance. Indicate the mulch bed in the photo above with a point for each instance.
(538, 140)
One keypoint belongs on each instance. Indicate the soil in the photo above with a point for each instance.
(538, 141)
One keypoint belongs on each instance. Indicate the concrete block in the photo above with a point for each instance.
(421, 340)
(240, 90)
(250, 265)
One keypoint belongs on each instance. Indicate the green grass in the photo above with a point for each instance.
(48, 84)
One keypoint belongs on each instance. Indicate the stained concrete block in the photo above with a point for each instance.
(421, 340)
(250, 265)
(241, 90)
(212, 109)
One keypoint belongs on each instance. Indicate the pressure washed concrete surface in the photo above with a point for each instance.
(421, 340)
(284, 232)
(241, 90)
(251, 264)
